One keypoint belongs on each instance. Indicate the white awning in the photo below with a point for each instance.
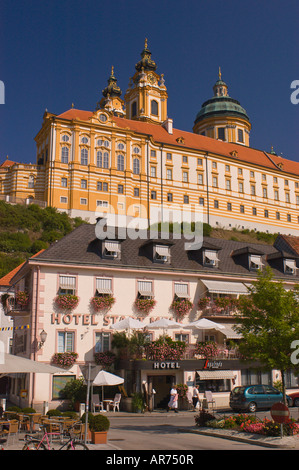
(229, 332)
(162, 250)
(221, 287)
(215, 374)
(112, 246)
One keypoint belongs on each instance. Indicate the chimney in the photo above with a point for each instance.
(168, 125)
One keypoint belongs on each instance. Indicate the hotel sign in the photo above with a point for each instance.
(212, 364)
(166, 365)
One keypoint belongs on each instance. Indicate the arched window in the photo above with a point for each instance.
(31, 182)
(134, 109)
(120, 163)
(84, 157)
(99, 159)
(64, 155)
(136, 166)
(154, 107)
(106, 160)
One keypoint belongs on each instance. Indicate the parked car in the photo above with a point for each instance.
(253, 397)
(294, 397)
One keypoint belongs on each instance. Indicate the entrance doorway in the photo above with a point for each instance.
(162, 385)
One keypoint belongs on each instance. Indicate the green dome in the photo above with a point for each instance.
(221, 106)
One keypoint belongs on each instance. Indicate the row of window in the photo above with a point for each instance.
(254, 211)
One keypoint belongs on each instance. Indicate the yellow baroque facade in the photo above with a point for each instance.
(127, 158)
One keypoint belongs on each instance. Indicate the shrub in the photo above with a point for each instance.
(203, 418)
(208, 349)
(54, 412)
(28, 410)
(99, 423)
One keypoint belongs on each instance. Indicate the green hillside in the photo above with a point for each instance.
(25, 230)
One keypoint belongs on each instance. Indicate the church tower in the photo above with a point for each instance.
(146, 97)
(222, 117)
(111, 100)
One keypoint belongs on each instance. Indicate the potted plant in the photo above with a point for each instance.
(22, 298)
(137, 403)
(75, 392)
(99, 426)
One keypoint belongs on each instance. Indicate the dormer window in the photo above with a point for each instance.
(289, 266)
(162, 253)
(210, 258)
(111, 249)
(255, 262)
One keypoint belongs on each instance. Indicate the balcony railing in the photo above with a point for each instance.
(222, 353)
(214, 310)
(13, 308)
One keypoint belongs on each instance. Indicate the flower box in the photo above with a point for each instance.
(67, 302)
(105, 358)
(181, 307)
(22, 298)
(144, 305)
(65, 360)
(102, 302)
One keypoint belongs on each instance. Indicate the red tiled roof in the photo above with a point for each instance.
(292, 241)
(195, 141)
(7, 163)
(5, 281)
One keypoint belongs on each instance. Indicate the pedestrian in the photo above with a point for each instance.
(173, 402)
(195, 396)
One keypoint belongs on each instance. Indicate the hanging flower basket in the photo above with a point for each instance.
(67, 302)
(22, 298)
(181, 307)
(203, 303)
(104, 358)
(65, 360)
(102, 302)
(144, 305)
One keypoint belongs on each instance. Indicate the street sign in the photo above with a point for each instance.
(280, 413)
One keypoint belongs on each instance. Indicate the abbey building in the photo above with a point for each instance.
(126, 157)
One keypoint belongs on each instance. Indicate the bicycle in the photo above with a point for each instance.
(38, 444)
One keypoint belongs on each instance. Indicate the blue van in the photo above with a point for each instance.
(253, 397)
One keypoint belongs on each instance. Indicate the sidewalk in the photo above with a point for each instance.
(181, 422)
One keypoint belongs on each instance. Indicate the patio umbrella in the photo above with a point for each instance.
(164, 323)
(128, 324)
(204, 324)
(11, 364)
(106, 378)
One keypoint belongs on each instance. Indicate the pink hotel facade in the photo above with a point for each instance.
(85, 266)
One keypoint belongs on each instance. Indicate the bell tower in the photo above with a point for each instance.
(146, 96)
(111, 100)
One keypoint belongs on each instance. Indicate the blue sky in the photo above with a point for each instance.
(55, 53)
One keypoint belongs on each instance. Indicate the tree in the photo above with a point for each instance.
(268, 320)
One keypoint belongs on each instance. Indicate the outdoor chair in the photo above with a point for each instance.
(96, 403)
(116, 402)
(209, 398)
(11, 431)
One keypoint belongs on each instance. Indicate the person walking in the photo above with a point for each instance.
(173, 402)
(195, 396)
